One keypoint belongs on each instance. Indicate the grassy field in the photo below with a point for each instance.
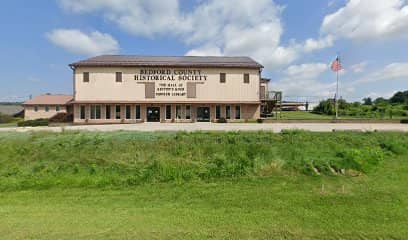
(12, 124)
(301, 115)
(123, 185)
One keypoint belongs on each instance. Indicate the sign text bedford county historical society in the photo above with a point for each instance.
(171, 82)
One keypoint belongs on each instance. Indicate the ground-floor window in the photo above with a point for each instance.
(168, 112)
(108, 112)
(117, 111)
(228, 112)
(237, 112)
(82, 112)
(95, 112)
(188, 112)
(217, 112)
(128, 113)
(138, 117)
(35, 109)
(47, 109)
(57, 108)
(178, 112)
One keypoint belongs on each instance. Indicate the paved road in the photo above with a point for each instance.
(275, 127)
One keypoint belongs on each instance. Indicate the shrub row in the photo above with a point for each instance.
(33, 123)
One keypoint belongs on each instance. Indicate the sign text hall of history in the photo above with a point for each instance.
(170, 75)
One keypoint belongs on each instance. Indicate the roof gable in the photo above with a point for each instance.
(48, 99)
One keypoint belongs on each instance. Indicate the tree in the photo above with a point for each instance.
(399, 98)
(325, 107)
(368, 101)
(381, 101)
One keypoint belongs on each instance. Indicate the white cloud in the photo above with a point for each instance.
(368, 20)
(303, 80)
(394, 71)
(213, 27)
(311, 44)
(375, 95)
(139, 17)
(205, 51)
(78, 42)
(359, 67)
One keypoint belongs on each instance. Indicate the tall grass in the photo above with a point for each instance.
(79, 159)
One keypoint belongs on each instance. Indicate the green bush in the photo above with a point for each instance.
(33, 123)
(222, 120)
(6, 118)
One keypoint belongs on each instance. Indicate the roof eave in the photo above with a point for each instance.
(76, 65)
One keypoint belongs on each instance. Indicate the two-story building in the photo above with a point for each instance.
(130, 89)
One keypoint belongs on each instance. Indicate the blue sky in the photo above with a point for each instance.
(294, 39)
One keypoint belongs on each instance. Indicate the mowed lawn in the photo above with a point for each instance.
(263, 204)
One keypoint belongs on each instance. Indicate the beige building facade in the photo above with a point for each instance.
(46, 106)
(130, 89)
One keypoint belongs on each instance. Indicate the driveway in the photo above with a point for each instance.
(190, 127)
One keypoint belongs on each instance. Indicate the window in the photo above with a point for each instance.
(237, 112)
(168, 112)
(85, 77)
(246, 78)
(118, 76)
(191, 90)
(35, 109)
(95, 112)
(262, 92)
(223, 77)
(47, 109)
(150, 89)
(188, 112)
(138, 117)
(117, 111)
(127, 112)
(178, 112)
(82, 112)
(228, 112)
(218, 112)
(108, 112)
(57, 108)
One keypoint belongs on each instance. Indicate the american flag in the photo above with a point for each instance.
(336, 65)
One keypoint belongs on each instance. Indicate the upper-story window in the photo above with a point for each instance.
(85, 77)
(246, 78)
(223, 77)
(118, 76)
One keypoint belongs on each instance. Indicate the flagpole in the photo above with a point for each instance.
(337, 95)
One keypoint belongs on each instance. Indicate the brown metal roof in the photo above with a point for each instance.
(48, 99)
(157, 61)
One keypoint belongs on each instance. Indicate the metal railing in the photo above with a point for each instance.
(272, 96)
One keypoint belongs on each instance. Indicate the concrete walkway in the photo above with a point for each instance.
(190, 127)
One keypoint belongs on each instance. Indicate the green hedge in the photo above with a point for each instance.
(4, 118)
(33, 123)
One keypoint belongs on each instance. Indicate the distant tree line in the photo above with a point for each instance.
(396, 106)
(11, 103)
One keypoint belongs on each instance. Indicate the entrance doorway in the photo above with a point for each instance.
(153, 114)
(203, 114)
